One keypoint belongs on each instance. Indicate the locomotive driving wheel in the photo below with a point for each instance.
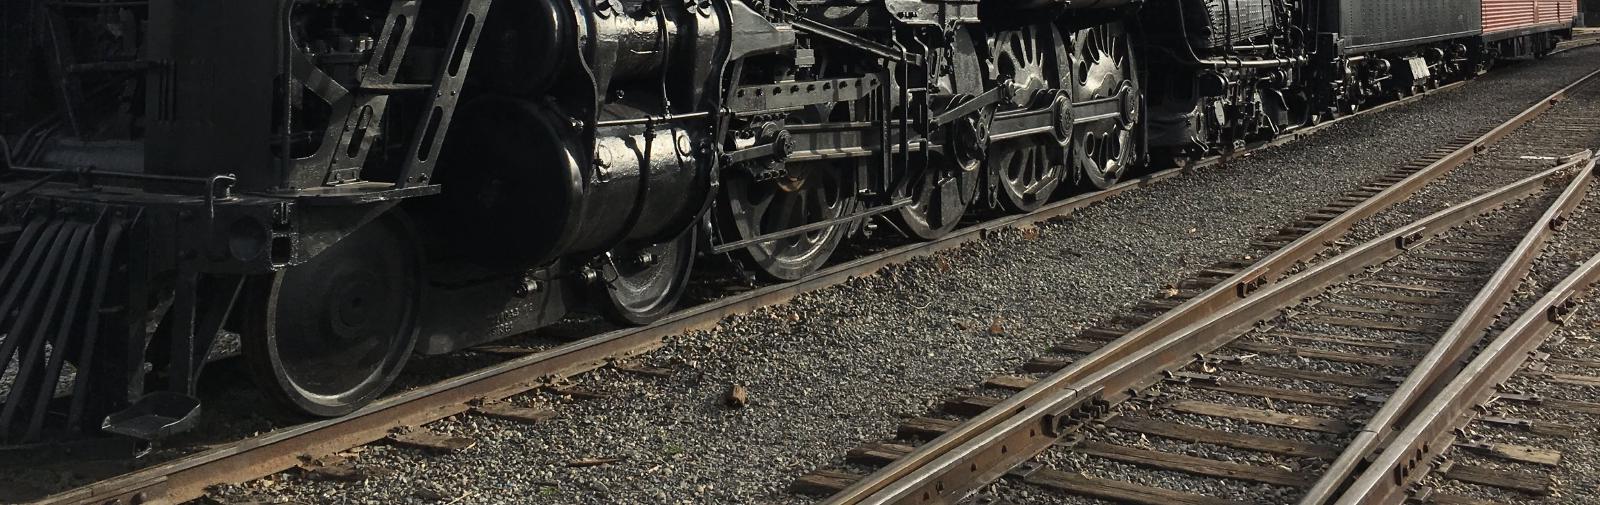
(811, 193)
(1104, 150)
(948, 183)
(642, 283)
(328, 336)
(1028, 169)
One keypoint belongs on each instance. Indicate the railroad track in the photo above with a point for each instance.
(1274, 403)
(1583, 37)
(485, 391)
(1101, 383)
(1278, 402)
(1513, 426)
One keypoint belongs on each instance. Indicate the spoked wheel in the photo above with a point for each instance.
(1104, 150)
(328, 336)
(1028, 169)
(643, 283)
(941, 193)
(812, 193)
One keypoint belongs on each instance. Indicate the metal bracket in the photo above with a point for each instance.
(1252, 283)
(1519, 397)
(422, 152)
(1561, 312)
(1185, 377)
(789, 95)
(851, 40)
(1074, 416)
(1410, 239)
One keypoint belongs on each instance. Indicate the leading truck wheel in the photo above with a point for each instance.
(642, 283)
(328, 336)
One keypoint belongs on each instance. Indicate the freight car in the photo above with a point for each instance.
(343, 183)
(1521, 28)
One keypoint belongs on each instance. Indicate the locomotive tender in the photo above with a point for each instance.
(343, 183)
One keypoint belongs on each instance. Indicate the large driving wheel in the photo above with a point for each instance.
(642, 283)
(1104, 150)
(1028, 169)
(811, 193)
(328, 336)
(947, 182)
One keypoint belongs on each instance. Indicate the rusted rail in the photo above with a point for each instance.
(1410, 455)
(1443, 361)
(987, 446)
(187, 478)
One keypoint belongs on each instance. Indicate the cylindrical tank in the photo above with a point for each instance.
(522, 191)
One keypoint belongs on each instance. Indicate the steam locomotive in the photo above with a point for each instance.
(343, 183)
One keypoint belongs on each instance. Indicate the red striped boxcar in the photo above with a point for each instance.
(1513, 28)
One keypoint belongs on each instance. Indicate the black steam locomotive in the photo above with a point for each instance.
(343, 183)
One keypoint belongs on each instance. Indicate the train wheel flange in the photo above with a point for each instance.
(328, 336)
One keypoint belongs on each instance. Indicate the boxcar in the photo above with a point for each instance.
(1513, 28)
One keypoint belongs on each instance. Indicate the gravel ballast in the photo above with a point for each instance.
(1153, 405)
(842, 366)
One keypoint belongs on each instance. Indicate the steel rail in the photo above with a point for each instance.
(187, 477)
(1409, 456)
(1112, 374)
(1576, 43)
(927, 471)
(1449, 352)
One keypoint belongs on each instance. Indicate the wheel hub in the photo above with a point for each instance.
(1063, 119)
(352, 313)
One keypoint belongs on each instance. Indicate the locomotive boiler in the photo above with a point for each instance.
(337, 185)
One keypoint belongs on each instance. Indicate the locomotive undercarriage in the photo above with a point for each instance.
(1364, 79)
(356, 181)
(610, 145)
(1217, 85)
